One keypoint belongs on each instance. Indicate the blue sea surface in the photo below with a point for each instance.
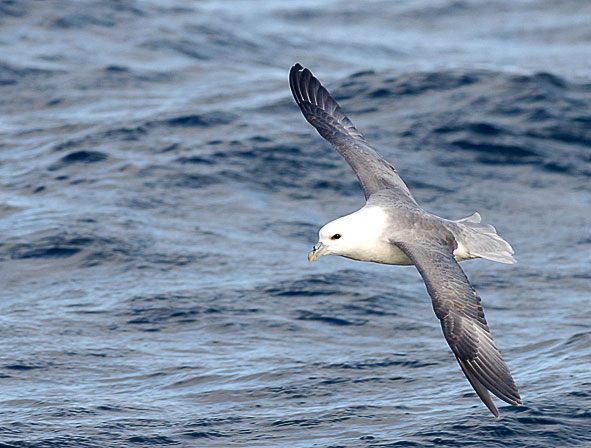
(160, 190)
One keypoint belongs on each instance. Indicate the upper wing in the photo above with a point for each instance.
(323, 112)
(457, 306)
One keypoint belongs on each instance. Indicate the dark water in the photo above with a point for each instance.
(160, 191)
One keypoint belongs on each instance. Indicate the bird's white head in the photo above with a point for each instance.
(350, 236)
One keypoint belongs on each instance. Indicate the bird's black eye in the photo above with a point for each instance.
(336, 236)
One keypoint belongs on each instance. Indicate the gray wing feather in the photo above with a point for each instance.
(457, 305)
(324, 113)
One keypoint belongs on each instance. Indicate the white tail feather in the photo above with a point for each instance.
(479, 240)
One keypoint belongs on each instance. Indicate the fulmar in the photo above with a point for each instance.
(392, 228)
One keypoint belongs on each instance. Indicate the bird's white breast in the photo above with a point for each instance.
(368, 226)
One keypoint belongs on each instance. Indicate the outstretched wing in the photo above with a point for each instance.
(324, 113)
(458, 307)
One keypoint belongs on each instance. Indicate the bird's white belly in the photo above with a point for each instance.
(391, 254)
(382, 252)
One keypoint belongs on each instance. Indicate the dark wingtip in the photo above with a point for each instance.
(479, 388)
(293, 72)
(318, 107)
(294, 84)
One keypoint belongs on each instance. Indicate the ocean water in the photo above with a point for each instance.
(159, 192)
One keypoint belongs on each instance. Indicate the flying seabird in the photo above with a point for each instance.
(392, 228)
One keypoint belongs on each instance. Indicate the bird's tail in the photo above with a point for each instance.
(481, 240)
